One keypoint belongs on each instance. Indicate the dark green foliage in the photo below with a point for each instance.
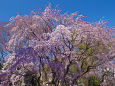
(31, 79)
(93, 81)
(0, 66)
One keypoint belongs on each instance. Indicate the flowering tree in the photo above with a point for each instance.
(51, 49)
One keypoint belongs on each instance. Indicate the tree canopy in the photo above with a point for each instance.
(47, 48)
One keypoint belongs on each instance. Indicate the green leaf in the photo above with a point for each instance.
(93, 81)
(109, 44)
(89, 51)
(45, 67)
(82, 46)
(73, 68)
(1, 66)
(58, 59)
(74, 31)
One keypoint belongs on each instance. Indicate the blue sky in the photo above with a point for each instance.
(93, 9)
